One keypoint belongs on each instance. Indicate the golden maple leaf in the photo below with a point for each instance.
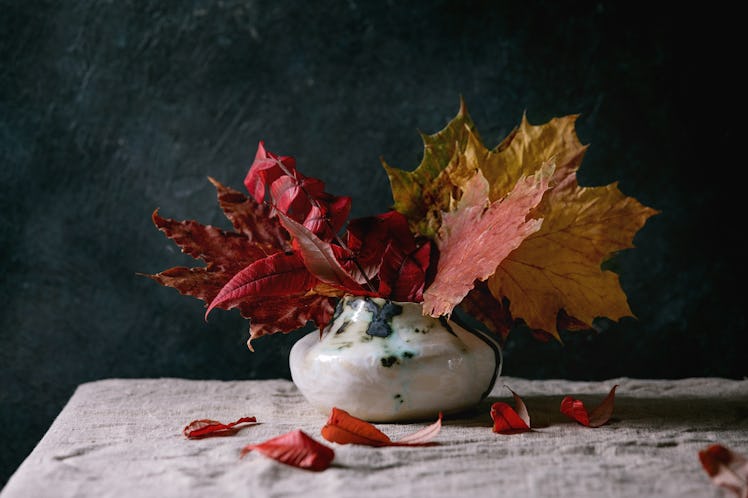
(554, 269)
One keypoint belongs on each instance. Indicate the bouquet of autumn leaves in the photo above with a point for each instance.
(506, 234)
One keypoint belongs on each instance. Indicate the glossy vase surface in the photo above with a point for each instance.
(385, 361)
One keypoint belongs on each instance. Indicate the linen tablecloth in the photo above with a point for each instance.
(123, 438)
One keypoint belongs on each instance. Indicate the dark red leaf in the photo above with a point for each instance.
(295, 448)
(368, 237)
(253, 219)
(225, 250)
(277, 275)
(196, 282)
(492, 313)
(508, 420)
(344, 428)
(574, 408)
(726, 468)
(338, 209)
(199, 429)
(269, 315)
(402, 276)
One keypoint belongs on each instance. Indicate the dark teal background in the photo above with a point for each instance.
(109, 110)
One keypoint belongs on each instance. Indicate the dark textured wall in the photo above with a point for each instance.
(111, 109)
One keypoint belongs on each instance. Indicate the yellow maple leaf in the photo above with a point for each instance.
(559, 266)
(556, 269)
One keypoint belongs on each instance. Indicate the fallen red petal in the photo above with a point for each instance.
(199, 429)
(575, 409)
(508, 420)
(295, 448)
(344, 428)
(726, 468)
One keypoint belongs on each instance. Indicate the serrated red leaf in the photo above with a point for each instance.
(574, 409)
(508, 420)
(218, 248)
(203, 428)
(269, 315)
(277, 275)
(344, 428)
(295, 448)
(726, 468)
(255, 220)
(197, 282)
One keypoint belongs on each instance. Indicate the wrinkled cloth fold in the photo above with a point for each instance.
(123, 438)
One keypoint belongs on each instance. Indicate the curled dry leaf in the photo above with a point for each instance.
(508, 420)
(726, 468)
(344, 428)
(295, 448)
(574, 408)
(200, 429)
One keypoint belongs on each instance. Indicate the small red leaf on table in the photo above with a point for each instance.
(726, 468)
(199, 429)
(344, 428)
(508, 420)
(574, 408)
(295, 448)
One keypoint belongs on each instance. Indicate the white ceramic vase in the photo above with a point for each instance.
(384, 361)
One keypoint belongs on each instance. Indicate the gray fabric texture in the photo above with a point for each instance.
(123, 438)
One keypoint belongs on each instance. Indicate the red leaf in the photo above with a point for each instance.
(344, 428)
(326, 219)
(338, 209)
(269, 315)
(253, 219)
(295, 448)
(199, 429)
(495, 315)
(197, 282)
(224, 250)
(402, 276)
(265, 170)
(277, 275)
(319, 257)
(293, 196)
(726, 468)
(368, 237)
(508, 420)
(574, 408)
